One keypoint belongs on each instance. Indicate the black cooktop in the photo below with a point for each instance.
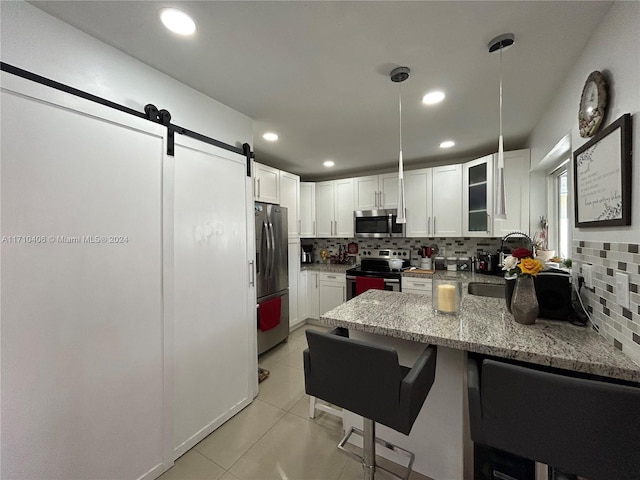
(374, 263)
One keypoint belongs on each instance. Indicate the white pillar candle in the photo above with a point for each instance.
(447, 298)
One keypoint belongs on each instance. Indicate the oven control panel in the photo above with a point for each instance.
(386, 253)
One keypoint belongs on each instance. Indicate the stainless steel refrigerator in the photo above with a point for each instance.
(272, 273)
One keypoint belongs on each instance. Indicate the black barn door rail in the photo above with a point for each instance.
(150, 113)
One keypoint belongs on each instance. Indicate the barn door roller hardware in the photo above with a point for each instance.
(151, 113)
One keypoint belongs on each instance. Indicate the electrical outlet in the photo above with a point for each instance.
(587, 273)
(622, 289)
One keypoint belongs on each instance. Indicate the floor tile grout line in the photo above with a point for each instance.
(256, 399)
(259, 438)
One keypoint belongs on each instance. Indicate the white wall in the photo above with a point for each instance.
(35, 41)
(613, 49)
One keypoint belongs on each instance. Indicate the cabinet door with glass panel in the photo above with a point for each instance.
(477, 197)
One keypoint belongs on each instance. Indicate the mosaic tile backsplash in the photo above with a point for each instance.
(447, 247)
(620, 326)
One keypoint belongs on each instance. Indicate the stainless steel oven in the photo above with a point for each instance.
(377, 224)
(374, 265)
(390, 284)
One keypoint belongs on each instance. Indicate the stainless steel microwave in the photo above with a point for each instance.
(377, 224)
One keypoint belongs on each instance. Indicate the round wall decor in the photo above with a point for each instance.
(593, 104)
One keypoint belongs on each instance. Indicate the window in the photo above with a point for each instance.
(559, 234)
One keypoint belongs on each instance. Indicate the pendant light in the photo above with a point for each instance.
(399, 75)
(500, 212)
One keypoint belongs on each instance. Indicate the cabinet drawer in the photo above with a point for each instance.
(417, 285)
(332, 277)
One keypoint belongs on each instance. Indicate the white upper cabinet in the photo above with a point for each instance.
(290, 198)
(417, 196)
(325, 205)
(477, 197)
(307, 209)
(266, 183)
(447, 200)
(343, 208)
(516, 190)
(334, 208)
(388, 185)
(365, 192)
(376, 191)
(434, 200)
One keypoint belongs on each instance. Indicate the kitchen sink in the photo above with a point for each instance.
(486, 289)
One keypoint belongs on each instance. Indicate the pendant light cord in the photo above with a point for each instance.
(400, 111)
(501, 91)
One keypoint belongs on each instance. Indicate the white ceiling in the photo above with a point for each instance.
(317, 73)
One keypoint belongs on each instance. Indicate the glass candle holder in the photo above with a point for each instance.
(446, 295)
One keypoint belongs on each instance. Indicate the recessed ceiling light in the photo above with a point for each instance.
(329, 163)
(447, 144)
(177, 21)
(270, 136)
(432, 98)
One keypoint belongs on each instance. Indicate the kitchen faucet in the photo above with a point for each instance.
(522, 234)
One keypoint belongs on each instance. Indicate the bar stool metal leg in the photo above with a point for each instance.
(369, 448)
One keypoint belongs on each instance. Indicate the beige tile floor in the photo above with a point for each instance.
(274, 438)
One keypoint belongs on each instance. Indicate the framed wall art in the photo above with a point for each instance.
(602, 177)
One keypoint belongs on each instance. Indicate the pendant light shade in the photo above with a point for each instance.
(500, 211)
(399, 75)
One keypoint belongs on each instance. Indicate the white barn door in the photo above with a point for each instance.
(215, 358)
(81, 305)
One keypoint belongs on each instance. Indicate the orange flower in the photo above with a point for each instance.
(530, 266)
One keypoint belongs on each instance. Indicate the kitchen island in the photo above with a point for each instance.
(440, 437)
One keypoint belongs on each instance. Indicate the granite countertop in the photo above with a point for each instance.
(325, 267)
(484, 326)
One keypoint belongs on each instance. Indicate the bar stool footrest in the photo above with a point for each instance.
(388, 445)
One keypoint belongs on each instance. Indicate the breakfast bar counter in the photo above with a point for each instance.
(440, 437)
(484, 326)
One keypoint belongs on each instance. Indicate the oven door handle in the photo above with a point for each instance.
(351, 277)
(391, 280)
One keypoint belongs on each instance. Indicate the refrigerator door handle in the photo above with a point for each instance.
(273, 250)
(266, 255)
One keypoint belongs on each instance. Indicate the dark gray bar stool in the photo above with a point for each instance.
(367, 379)
(586, 426)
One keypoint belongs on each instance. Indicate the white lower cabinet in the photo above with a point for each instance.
(294, 288)
(303, 303)
(421, 286)
(333, 291)
(309, 295)
(313, 295)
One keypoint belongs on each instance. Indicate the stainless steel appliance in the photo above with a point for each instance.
(553, 290)
(272, 273)
(306, 253)
(375, 264)
(377, 224)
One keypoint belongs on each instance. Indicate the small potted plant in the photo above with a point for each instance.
(541, 241)
(520, 292)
